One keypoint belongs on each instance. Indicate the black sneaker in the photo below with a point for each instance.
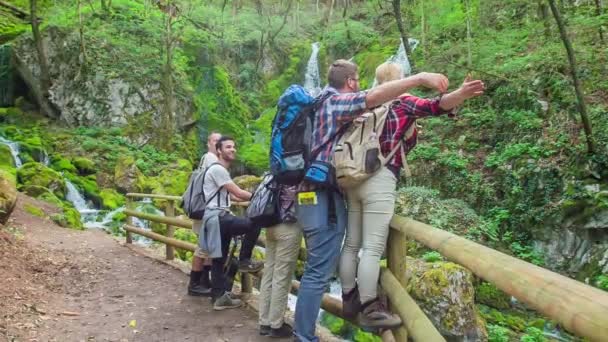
(199, 290)
(351, 304)
(283, 332)
(250, 266)
(264, 330)
(376, 316)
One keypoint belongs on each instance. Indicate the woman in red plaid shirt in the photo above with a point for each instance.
(371, 204)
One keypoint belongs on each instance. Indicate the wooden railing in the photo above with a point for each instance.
(580, 308)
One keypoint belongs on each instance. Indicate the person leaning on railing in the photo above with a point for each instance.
(371, 204)
(282, 249)
(220, 225)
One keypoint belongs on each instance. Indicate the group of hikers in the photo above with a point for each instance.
(344, 228)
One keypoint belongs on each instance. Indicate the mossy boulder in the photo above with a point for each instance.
(6, 157)
(445, 292)
(41, 193)
(126, 174)
(62, 164)
(490, 295)
(248, 182)
(70, 218)
(38, 174)
(8, 197)
(84, 166)
(111, 199)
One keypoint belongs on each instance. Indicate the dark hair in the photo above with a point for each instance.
(339, 72)
(218, 145)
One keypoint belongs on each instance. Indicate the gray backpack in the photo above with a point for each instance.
(193, 199)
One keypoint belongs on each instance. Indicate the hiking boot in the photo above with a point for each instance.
(351, 304)
(250, 266)
(226, 302)
(199, 290)
(264, 330)
(283, 332)
(376, 316)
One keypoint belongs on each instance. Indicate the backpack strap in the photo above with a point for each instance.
(215, 193)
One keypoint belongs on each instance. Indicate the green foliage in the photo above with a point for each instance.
(432, 256)
(111, 199)
(601, 281)
(488, 294)
(533, 335)
(496, 333)
(527, 253)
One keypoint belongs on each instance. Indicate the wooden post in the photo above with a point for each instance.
(246, 283)
(129, 219)
(397, 252)
(170, 212)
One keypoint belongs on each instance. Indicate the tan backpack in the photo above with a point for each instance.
(357, 154)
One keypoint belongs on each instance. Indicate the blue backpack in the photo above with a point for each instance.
(291, 135)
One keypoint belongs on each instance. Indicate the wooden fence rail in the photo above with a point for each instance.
(580, 308)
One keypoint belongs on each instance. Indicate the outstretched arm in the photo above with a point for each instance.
(390, 90)
(468, 89)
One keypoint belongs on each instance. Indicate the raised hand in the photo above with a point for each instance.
(471, 88)
(434, 81)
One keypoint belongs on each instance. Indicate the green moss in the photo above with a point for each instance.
(62, 164)
(489, 295)
(34, 210)
(505, 319)
(111, 199)
(70, 218)
(248, 182)
(84, 166)
(85, 185)
(9, 174)
(38, 174)
(6, 157)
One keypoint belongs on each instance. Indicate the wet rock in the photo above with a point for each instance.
(37, 174)
(445, 292)
(126, 174)
(8, 197)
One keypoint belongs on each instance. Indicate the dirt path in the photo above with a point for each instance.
(85, 286)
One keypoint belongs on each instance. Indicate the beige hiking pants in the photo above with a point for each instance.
(282, 247)
(370, 209)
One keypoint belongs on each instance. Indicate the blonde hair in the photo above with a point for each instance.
(388, 71)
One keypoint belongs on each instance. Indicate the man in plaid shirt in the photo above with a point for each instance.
(320, 206)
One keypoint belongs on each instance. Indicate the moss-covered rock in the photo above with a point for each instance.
(8, 197)
(126, 174)
(6, 157)
(38, 174)
(488, 294)
(111, 199)
(70, 218)
(62, 164)
(34, 210)
(445, 292)
(41, 193)
(84, 166)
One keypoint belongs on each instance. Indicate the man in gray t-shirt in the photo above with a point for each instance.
(221, 226)
(200, 283)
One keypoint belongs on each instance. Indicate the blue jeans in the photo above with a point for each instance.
(324, 225)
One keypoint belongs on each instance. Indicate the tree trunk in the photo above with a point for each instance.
(573, 68)
(598, 11)
(169, 106)
(83, 53)
(543, 14)
(45, 78)
(404, 38)
(469, 37)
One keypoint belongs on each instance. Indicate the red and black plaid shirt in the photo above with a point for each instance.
(403, 113)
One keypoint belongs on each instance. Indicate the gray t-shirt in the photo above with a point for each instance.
(216, 177)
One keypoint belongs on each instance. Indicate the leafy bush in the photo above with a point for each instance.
(496, 333)
(432, 256)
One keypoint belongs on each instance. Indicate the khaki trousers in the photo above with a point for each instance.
(282, 247)
(370, 209)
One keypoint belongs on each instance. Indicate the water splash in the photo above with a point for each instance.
(312, 80)
(14, 147)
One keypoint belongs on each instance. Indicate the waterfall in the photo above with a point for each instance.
(401, 57)
(312, 81)
(14, 150)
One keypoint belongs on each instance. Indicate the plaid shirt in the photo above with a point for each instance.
(335, 113)
(402, 115)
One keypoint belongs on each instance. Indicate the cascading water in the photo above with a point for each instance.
(401, 57)
(312, 81)
(14, 147)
